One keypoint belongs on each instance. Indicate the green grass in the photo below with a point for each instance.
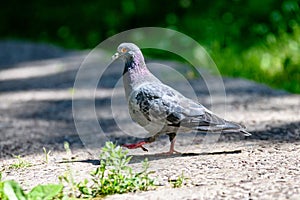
(179, 181)
(46, 154)
(114, 176)
(20, 163)
(274, 61)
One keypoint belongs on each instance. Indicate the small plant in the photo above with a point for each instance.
(67, 148)
(114, 175)
(21, 163)
(68, 176)
(178, 182)
(47, 154)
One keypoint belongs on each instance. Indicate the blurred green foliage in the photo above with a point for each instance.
(256, 39)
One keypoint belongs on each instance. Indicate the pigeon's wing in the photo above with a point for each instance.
(158, 102)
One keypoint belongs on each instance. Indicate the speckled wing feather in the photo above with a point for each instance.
(157, 102)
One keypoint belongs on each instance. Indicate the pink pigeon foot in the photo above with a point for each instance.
(172, 150)
(136, 145)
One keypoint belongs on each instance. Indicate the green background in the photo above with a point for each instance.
(255, 39)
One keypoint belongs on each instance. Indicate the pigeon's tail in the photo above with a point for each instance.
(215, 124)
(226, 127)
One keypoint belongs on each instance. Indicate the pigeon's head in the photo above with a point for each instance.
(127, 51)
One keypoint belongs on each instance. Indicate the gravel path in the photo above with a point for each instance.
(36, 112)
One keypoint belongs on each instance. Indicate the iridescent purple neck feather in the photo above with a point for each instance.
(135, 66)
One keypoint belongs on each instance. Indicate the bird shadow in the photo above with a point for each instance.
(89, 161)
(152, 157)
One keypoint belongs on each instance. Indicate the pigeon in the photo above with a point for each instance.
(159, 108)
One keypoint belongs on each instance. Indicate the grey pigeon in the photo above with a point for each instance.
(160, 109)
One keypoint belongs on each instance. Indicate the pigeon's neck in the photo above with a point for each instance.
(134, 64)
(135, 69)
(135, 73)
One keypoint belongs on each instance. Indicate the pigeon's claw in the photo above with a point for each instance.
(136, 145)
(170, 152)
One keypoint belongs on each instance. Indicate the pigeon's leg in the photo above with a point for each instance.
(172, 149)
(172, 140)
(140, 144)
(136, 145)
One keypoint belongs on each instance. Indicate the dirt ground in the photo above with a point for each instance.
(36, 111)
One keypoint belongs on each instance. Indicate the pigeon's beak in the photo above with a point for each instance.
(115, 56)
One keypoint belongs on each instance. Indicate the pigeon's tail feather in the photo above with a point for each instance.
(225, 127)
(235, 127)
(232, 126)
(246, 133)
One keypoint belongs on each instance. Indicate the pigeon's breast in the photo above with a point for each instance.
(137, 109)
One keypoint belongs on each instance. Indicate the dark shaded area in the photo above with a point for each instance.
(249, 89)
(14, 52)
(287, 132)
(58, 81)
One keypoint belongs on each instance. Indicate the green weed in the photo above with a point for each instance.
(178, 182)
(20, 163)
(47, 154)
(114, 175)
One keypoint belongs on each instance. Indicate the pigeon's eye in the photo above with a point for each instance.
(123, 50)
